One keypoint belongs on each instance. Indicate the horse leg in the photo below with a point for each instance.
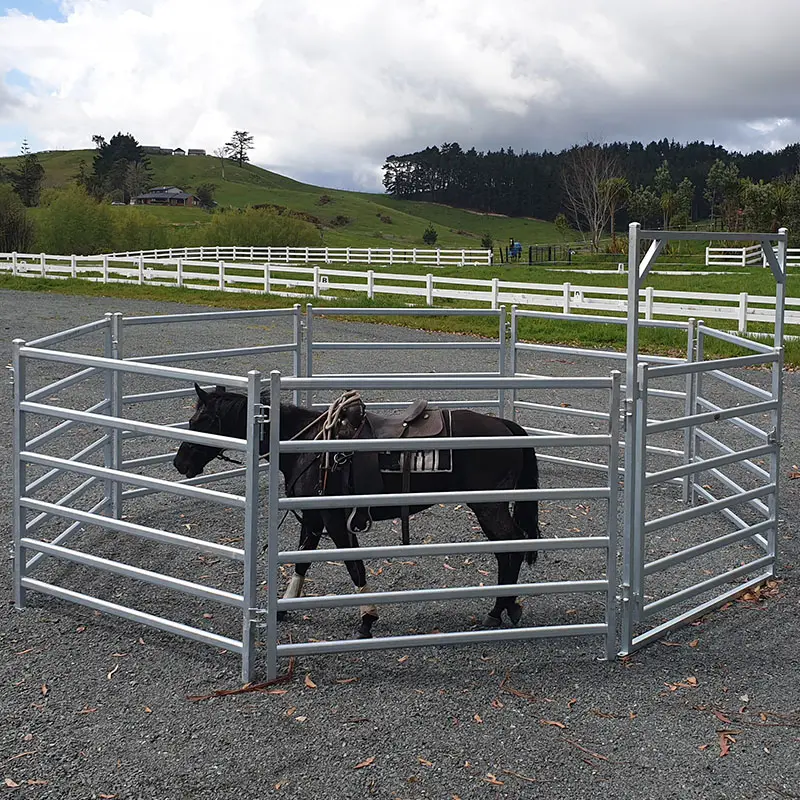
(497, 523)
(310, 534)
(358, 574)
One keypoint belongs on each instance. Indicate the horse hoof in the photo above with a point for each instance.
(515, 613)
(362, 634)
(492, 621)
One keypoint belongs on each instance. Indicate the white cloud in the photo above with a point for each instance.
(331, 88)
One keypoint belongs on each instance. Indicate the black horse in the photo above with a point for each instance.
(224, 413)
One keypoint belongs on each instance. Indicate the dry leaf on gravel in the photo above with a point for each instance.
(11, 784)
(365, 763)
(36, 782)
(688, 683)
(346, 680)
(87, 711)
(725, 741)
(308, 682)
(553, 722)
(478, 719)
(45, 689)
(492, 779)
(111, 674)
(424, 761)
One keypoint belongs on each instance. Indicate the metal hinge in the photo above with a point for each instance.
(11, 374)
(772, 437)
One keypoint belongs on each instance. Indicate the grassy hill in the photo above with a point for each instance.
(356, 219)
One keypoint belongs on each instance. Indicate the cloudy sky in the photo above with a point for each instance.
(329, 88)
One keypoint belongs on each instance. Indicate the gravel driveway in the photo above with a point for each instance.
(97, 707)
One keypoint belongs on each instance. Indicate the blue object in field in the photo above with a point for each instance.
(516, 250)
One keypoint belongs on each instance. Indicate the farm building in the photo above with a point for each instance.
(193, 151)
(165, 196)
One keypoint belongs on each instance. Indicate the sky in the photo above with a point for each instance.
(329, 88)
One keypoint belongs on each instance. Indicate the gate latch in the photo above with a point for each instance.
(11, 375)
(772, 437)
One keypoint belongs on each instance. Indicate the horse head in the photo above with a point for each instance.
(212, 415)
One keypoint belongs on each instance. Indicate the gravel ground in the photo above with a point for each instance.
(95, 706)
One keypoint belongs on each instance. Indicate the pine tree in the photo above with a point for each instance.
(27, 180)
(238, 146)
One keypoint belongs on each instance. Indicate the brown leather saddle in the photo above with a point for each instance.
(418, 421)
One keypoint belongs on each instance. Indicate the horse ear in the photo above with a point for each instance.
(220, 389)
(202, 395)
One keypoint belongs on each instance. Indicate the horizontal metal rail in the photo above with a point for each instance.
(431, 639)
(567, 411)
(208, 316)
(162, 431)
(589, 352)
(705, 586)
(405, 346)
(730, 515)
(404, 312)
(709, 508)
(442, 443)
(700, 611)
(63, 383)
(167, 394)
(737, 489)
(449, 593)
(660, 564)
(738, 383)
(443, 549)
(143, 532)
(739, 423)
(709, 463)
(429, 498)
(63, 427)
(118, 568)
(643, 323)
(711, 416)
(159, 485)
(66, 501)
(50, 476)
(434, 382)
(66, 534)
(748, 465)
(200, 355)
(708, 366)
(119, 365)
(151, 621)
(70, 333)
(725, 336)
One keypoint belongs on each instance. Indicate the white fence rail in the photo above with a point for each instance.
(322, 255)
(745, 256)
(315, 281)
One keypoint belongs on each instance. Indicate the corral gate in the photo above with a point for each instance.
(641, 431)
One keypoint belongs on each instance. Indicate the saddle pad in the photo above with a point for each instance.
(421, 461)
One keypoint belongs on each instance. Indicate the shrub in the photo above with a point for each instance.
(430, 235)
(487, 242)
(340, 220)
(324, 199)
(72, 222)
(385, 219)
(259, 228)
(16, 229)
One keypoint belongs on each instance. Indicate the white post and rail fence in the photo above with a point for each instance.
(287, 280)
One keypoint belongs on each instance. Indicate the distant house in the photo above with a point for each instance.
(179, 151)
(165, 196)
(152, 150)
(196, 152)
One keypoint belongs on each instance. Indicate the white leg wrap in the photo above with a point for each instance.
(295, 587)
(371, 609)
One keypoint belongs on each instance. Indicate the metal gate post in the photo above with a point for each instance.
(251, 517)
(501, 340)
(309, 351)
(513, 360)
(631, 365)
(612, 528)
(114, 387)
(688, 410)
(272, 523)
(640, 488)
(297, 354)
(18, 469)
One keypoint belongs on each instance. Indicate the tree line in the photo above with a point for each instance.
(662, 184)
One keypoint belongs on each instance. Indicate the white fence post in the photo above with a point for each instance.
(14, 263)
(463, 258)
(495, 293)
(222, 273)
(744, 257)
(648, 302)
(347, 255)
(438, 257)
(141, 270)
(429, 288)
(43, 264)
(743, 312)
(180, 273)
(74, 265)
(316, 281)
(105, 269)
(566, 298)
(370, 284)
(267, 279)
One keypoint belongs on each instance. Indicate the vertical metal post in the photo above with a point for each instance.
(775, 456)
(19, 441)
(309, 351)
(116, 410)
(780, 288)
(251, 517)
(612, 530)
(272, 523)
(697, 389)
(513, 359)
(689, 409)
(501, 357)
(297, 353)
(631, 370)
(640, 489)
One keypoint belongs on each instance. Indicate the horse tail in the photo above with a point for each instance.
(526, 512)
